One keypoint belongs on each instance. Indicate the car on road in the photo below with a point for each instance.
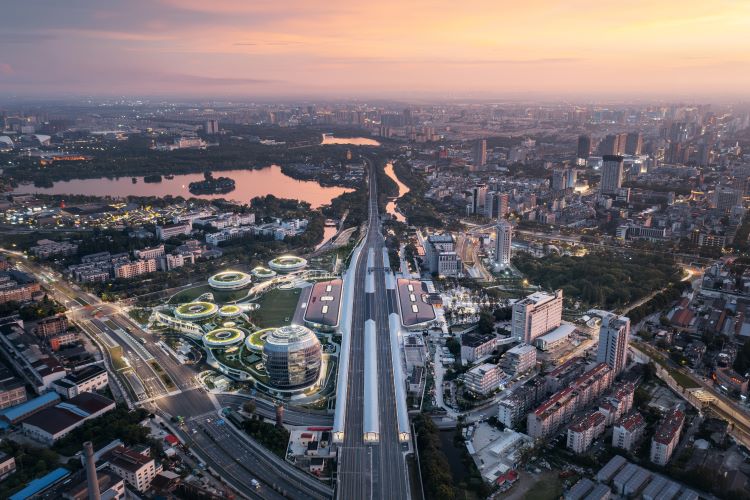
(255, 484)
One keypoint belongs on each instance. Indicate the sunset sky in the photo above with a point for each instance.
(386, 48)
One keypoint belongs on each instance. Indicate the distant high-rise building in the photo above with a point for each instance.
(613, 342)
(559, 179)
(613, 144)
(726, 199)
(211, 127)
(480, 153)
(503, 243)
(611, 174)
(408, 120)
(584, 146)
(633, 143)
(478, 198)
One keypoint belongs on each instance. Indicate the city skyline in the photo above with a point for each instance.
(430, 50)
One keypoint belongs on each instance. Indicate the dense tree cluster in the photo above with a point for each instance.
(119, 423)
(436, 473)
(605, 279)
(272, 437)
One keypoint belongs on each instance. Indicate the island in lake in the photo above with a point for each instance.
(212, 185)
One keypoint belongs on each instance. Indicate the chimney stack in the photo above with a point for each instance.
(91, 479)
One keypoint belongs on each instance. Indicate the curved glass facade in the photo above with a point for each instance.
(292, 355)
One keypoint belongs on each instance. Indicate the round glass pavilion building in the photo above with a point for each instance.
(292, 356)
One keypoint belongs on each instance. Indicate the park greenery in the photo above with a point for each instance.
(31, 462)
(604, 279)
(272, 437)
(32, 311)
(119, 423)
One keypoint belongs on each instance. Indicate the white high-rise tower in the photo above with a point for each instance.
(503, 243)
(613, 342)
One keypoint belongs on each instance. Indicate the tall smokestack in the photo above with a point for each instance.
(92, 480)
(279, 414)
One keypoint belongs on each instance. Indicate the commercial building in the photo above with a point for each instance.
(611, 174)
(441, 255)
(322, 310)
(633, 143)
(503, 240)
(150, 253)
(584, 431)
(666, 437)
(613, 342)
(483, 379)
(292, 355)
(628, 431)
(583, 149)
(556, 338)
(137, 469)
(111, 486)
(53, 423)
(725, 199)
(475, 346)
(88, 379)
(519, 359)
(166, 231)
(537, 314)
(38, 370)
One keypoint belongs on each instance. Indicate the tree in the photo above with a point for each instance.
(249, 407)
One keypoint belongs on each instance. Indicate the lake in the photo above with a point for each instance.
(354, 141)
(402, 190)
(249, 184)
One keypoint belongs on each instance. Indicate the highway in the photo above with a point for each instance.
(371, 470)
(230, 453)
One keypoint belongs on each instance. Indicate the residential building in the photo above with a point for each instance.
(137, 469)
(611, 174)
(62, 339)
(584, 431)
(628, 431)
(666, 437)
(519, 359)
(537, 314)
(51, 326)
(483, 379)
(503, 238)
(16, 286)
(45, 249)
(561, 406)
(479, 153)
(135, 268)
(475, 346)
(514, 408)
(89, 379)
(613, 342)
(7, 465)
(12, 389)
(726, 199)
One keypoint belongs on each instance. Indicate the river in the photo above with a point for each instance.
(354, 141)
(249, 184)
(402, 190)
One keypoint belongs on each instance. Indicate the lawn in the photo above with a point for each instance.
(220, 297)
(547, 488)
(276, 308)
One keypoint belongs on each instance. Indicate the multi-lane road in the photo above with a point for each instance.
(371, 470)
